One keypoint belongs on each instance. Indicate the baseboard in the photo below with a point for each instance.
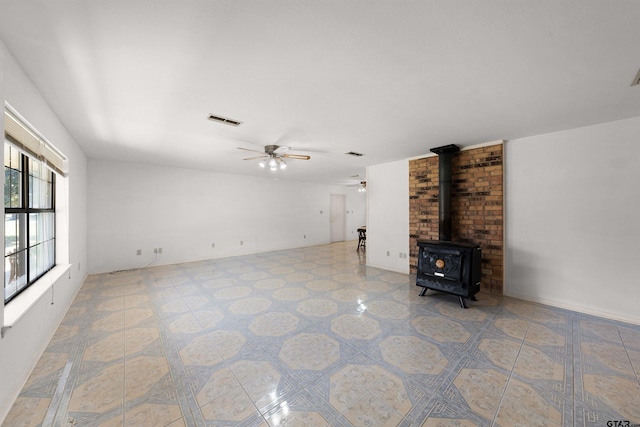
(387, 268)
(576, 308)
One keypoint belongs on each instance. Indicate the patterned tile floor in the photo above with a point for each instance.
(314, 337)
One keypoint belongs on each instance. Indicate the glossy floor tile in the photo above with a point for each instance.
(313, 337)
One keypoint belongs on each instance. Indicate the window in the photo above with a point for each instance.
(29, 220)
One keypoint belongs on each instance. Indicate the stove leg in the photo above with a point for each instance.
(424, 292)
(462, 303)
(473, 298)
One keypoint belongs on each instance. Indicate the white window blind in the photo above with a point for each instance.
(20, 134)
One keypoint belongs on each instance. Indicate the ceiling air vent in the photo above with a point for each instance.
(354, 154)
(224, 120)
(636, 81)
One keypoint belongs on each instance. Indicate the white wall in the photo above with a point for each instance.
(388, 216)
(184, 211)
(23, 344)
(573, 219)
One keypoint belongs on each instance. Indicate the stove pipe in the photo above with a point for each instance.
(445, 154)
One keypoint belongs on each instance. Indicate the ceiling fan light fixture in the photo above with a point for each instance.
(274, 156)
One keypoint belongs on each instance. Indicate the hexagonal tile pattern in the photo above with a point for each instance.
(314, 336)
(227, 343)
(201, 351)
(413, 355)
(541, 335)
(349, 295)
(522, 405)
(290, 294)
(321, 285)
(388, 309)
(534, 364)
(501, 352)
(101, 392)
(317, 307)
(270, 284)
(617, 360)
(358, 327)
(308, 351)
(218, 384)
(185, 324)
(482, 389)
(515, 328)
(250, 305)
(459, 313)
(234, 292)
(107, 349)
(220, 283)
(275, 324)
(142, 373)
(153, 415)
(441, 329)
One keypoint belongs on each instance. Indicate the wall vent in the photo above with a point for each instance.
(636, 81)
(353, 153)
(224, 120)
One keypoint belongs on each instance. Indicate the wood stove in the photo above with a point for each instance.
(443, 265)
(449, 267)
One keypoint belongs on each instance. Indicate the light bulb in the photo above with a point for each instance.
(273, 163)
(263, 163)
(283, 165)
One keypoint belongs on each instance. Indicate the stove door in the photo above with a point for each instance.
(441, 263)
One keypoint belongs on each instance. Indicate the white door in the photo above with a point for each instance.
(337, 217)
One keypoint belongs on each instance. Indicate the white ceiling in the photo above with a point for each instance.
(135, 79)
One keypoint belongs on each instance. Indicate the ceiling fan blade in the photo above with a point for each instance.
(249, 149)
(256, 157)
(296, 156)
(282, 149)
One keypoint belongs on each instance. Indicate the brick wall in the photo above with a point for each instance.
(476, 206)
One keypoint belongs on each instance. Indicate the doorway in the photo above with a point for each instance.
(337, 218)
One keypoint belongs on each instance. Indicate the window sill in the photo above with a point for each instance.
(27, 298)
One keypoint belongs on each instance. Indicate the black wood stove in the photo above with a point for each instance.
(449, 267)
(443, 265)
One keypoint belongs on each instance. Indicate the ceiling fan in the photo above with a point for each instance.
(274, 156)
(362, 186)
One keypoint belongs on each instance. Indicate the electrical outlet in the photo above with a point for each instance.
(388, 253)
(305, 236)
(213, 245)
(78, 266)
(159, 250)
(155, 250)
(320, 212)
(241, 242)
(139, 252)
